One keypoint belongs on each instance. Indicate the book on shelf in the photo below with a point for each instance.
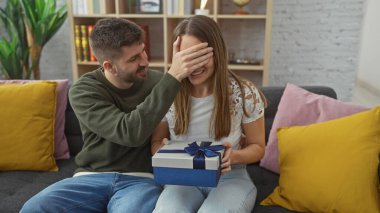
(96, 6)
(188, 6)
(146, 41)
(132, 6)
(92, 7)
(179, 7)
(85, 46)
(82, 43)
(89, 30)
(78, 43)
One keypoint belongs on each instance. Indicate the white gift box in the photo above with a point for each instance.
(188, 163)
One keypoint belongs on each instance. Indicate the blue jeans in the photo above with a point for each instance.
(235, 193)
(105, 192)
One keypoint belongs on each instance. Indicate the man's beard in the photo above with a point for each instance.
(132, 77)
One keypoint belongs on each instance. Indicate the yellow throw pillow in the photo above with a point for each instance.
(330, 166)
(27, 114)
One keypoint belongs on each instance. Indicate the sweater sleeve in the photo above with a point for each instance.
(100, 117)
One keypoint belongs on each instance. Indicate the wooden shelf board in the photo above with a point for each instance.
(93, 63)
(156, 63)
(94, 16)
(246, 67)
(241, 17)
(143, 16)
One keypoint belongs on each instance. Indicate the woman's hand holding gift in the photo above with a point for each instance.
(226, 160)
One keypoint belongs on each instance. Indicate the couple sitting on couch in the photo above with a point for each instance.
(126, 111)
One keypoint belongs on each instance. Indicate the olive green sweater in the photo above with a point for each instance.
(117, 124)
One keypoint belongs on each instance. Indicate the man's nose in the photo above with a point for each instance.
(144, 59)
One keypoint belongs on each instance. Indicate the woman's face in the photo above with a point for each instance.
(202, 75)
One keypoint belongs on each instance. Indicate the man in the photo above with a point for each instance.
(118, 106)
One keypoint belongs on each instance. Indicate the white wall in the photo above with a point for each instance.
(367, 86)
(316, 43)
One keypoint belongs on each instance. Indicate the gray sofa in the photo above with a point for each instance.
(18, 186)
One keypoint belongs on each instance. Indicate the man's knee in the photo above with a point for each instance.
(38, 204)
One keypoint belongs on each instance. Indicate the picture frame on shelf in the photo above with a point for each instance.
(149, 6)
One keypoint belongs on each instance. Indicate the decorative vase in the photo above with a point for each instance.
(241, 4)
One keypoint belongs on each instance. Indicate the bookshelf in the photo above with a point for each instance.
(248, 37)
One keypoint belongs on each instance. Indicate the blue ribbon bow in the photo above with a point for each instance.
(199, 152)
(202, 151)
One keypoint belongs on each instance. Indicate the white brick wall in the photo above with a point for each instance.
(316, 43)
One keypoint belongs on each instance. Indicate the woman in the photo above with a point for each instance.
(214, 104)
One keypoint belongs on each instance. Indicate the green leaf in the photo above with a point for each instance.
(9, 59)
(42, 18)
(30, 15)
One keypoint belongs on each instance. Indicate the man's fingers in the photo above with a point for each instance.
(191, 66)
(194, 55)
(195, 48)
(200, 61)
(197, 63)
(188, 60)
(176, 45)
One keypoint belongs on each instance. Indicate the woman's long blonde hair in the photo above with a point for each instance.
(206, 30)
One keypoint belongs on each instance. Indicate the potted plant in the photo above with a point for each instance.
(30, 24)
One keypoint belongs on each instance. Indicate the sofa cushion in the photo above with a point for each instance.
(61, 148)
(330, 166)
(27, 112)
(301, 107)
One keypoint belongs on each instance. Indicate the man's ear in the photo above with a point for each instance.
(107, 65)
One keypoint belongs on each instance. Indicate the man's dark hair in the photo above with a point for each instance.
(111, 34)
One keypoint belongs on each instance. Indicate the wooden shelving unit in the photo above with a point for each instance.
(247, 36)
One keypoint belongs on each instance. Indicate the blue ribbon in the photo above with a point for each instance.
(199, 152)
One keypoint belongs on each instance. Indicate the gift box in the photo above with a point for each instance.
(188, 163)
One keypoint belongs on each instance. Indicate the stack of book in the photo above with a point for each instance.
(92, 7)
(180, 7)
(82, 47)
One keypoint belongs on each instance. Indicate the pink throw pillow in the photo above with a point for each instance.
(300, 107)
(61, 148)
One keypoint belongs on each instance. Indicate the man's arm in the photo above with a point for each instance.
(98, 113)
(159, 135)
